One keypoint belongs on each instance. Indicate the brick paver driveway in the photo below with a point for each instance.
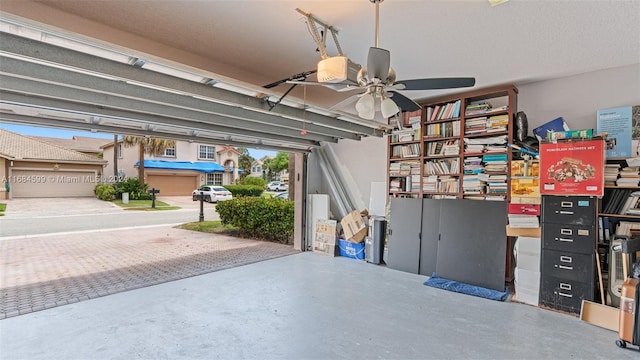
(37, 273)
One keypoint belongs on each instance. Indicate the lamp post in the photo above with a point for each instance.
(201, 197)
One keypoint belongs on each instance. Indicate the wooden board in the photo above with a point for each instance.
(325, 240)
(600, 315)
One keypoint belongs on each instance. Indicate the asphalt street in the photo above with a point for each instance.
(69, 215)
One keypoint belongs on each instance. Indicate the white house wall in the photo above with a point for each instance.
(126, 164)
(576, 99)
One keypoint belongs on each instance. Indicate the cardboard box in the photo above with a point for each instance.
(525, 187)
(354, 227)
(530, 232)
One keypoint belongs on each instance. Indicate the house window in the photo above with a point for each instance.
(119, 150)
(207, 152)
(170, 152)
(214, 179)
(257, 169)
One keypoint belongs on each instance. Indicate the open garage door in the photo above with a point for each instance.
(50, 183)
(172, 185)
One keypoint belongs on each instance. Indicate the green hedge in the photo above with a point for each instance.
(252, 180)
(245, 190)
(258, 217)
(105, 192)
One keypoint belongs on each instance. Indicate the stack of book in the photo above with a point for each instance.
(475, 126)
(473, 148)
(611, 172)
(495, 162)
(478, 108)
(497, 184)
(497, 123)
(405, 135)
(474, 184)
(523, 221)
(473, 165)
(628, 176)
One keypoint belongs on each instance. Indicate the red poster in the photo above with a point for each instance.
(572, 168)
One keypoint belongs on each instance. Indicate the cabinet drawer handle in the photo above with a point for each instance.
(564, 239)
(565, 295)
(566, 259)
(566, 231)
(566, 204)
(565, 267)
(564, 212)
(565, 286)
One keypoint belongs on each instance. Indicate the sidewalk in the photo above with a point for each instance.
(47, 271)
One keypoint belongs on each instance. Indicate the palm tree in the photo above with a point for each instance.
(147, 145)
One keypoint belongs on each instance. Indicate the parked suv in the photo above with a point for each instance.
(277, 186)
(212, 193)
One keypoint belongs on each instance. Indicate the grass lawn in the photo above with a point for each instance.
(145, 205)
(214, 226)
(3, 207)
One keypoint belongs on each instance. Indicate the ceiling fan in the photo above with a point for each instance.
(378, 80)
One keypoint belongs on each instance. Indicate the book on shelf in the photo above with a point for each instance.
(442, 166)
(449, 110)
(446, 148)
(621, 201)
(405, 151)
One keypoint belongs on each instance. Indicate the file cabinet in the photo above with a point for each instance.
(569, 237)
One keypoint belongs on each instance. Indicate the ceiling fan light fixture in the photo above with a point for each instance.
(388, 107)
(366, 106)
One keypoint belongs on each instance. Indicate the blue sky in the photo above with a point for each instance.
(68, 134)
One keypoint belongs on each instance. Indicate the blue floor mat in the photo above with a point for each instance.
(463, 288)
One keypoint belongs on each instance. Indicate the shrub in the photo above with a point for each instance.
(133, 186)
(245, 190)
(105, 192)
(265, 218)
(252, 180)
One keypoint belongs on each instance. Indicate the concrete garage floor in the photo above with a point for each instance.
(303, 306)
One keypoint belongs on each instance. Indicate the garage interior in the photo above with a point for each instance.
(110, 67)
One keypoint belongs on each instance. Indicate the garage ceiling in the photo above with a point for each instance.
(242, 46)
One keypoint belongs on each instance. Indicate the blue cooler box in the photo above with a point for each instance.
(351, 250)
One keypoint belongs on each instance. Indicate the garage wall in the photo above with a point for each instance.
(31, 179)
(173, 184)
(576, 98)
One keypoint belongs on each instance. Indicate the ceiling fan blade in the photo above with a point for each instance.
(348, 101)
(403, 102)
(437, 83)
(378, 63)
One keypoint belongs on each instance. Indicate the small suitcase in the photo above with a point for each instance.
(629, 325)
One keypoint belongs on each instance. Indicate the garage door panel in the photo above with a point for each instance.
(43, 183)
(173, 185)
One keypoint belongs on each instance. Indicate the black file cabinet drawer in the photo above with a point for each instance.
(566, 295)
(572, 238)
(567, 265)
(572, 210)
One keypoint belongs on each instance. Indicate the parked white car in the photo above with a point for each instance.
(277, 186)
(212, 193)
